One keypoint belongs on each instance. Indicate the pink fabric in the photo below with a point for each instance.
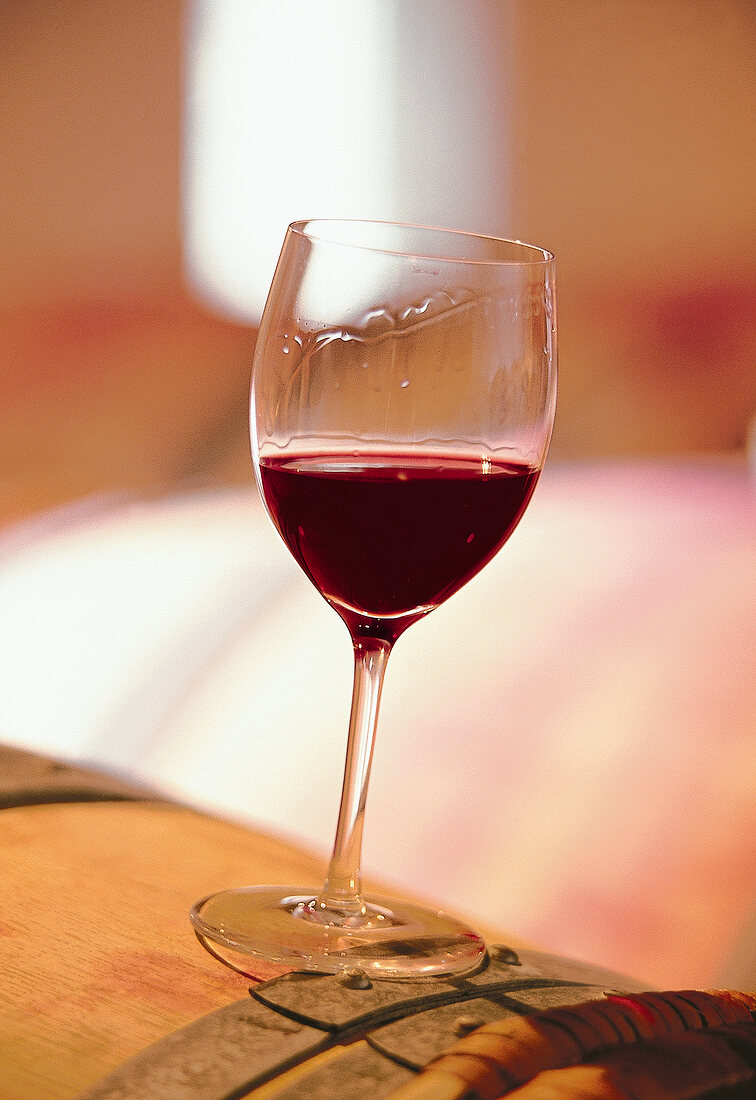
(566, 749)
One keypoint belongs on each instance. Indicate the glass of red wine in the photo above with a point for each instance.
(403, 396)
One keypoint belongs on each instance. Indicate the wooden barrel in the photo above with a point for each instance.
(108, 995)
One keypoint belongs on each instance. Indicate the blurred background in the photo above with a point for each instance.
(153, 154)
(618, 135)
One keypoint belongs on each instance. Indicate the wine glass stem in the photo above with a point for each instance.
(343, 886)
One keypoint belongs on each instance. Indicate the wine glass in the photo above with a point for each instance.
(403, 396)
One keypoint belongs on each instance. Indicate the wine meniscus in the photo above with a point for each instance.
(388, 537)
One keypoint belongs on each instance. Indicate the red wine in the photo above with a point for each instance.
(392, 536)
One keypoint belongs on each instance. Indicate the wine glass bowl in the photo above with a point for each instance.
(403, 398)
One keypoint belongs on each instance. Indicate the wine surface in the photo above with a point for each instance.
(389, 537)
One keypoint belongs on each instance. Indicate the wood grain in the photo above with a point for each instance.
(97, 955)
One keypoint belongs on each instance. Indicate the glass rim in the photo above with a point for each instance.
(539, 256)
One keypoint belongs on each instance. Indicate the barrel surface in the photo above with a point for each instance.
(97, 955)
(108, 995)
(306, 1036)
(27, 779)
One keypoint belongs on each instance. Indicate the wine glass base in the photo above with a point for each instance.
(291, 927)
